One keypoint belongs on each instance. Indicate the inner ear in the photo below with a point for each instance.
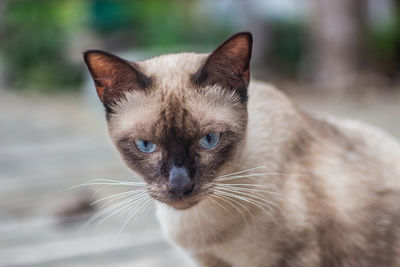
(228, 65)
(113, 75)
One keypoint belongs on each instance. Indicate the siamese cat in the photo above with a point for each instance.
(241, 175)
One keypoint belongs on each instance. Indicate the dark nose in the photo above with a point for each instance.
(179, 181)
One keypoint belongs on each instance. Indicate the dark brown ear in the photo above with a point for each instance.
(113, 75)
(229, 65)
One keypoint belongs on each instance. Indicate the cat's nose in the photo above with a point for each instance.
(179, 181)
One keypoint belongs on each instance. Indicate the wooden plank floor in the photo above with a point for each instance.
(50, 143)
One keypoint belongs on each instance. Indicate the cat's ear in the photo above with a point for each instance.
(113, 75)
(228, 65)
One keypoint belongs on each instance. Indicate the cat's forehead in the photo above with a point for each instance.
(171, 72)
(173, 101)
(191, 111)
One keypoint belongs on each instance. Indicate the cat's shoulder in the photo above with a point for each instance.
(262, 91)
(373, 139)
(264, 98)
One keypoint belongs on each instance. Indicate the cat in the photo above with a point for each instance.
(242, 176)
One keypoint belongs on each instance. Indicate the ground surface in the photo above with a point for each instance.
(50, 143)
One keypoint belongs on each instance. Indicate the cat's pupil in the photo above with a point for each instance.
(145, 146)
(209, 138)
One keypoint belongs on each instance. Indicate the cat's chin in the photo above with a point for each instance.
(181, 204)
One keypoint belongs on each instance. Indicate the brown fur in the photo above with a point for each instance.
(337, 180)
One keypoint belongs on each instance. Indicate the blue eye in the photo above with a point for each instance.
(210, 140)
(145, 146)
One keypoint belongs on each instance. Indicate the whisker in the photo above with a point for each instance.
(136, 203)
(113, 183)
(116, 181)
(136, 212)
(227, 200)
(105, 210)
(242, 184)
(218, 204)
(101, 189)
(109, 182)
(251, 201)
(240, 204)
(119, 195)
(129, 204)
(242, 187)
(247, 170)
(275, 192)
(260, 199)
(256, 175)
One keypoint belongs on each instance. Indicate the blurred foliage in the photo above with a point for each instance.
(384, 45)
(40, 37)
(34, 50)
(288, 48)
(155, 23)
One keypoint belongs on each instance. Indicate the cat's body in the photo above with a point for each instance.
(341, 195)
(287, 190)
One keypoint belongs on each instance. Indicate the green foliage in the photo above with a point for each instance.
(35, 47)
(383, 45)
(39, 37)
(155, 23)
(288, 48)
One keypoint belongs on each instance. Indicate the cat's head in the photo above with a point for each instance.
(177, 119)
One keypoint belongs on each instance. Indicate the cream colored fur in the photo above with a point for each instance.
(336, 182)
(208, 233)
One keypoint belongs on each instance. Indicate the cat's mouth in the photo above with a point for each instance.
(178, 201)
(183, 204)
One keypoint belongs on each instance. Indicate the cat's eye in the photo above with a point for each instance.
(210, 140)
(145, 146)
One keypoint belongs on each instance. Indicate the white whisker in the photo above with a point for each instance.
(274, 192)
(255, 175)
(260, 199)
(119, 195)
(136, 212)
(249, 184)
(239, 172)
(126, 206)
(228, 200)
(109, 182)
(242, 187)
(218, 204)
(116, 181)
(251, 201)
(116, 205)
(232, 196)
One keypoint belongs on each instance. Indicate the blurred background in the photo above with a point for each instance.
(337, 57)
